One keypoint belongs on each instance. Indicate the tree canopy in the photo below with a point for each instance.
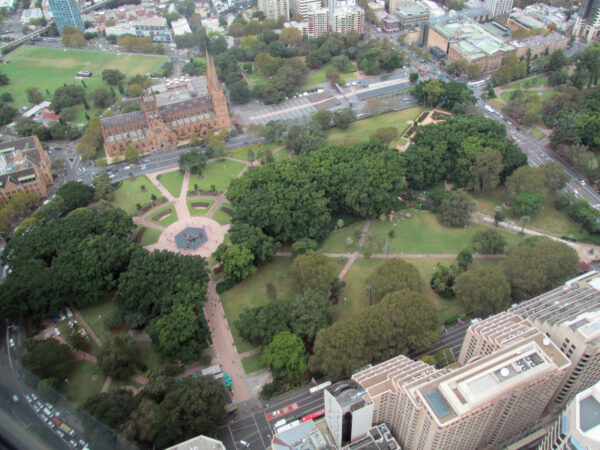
(394, 275)
(118, 357)
(49, 360)
(483, 291)
(314, 271)
(286, 353)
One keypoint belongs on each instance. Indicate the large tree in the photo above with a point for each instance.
(263, 247)
(488, 242)
(339, 350)
(483, 291)
(486, 170)
(527, 179)
(314, 271)
(194, 161)
(75, 194)
(286, 354)
(455, 211)
(238, 262)
(49, 360)
(394, 275)
(118, 357)
(193, 407)
(539, 265)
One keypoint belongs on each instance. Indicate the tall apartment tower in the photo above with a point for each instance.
(479, 404)
(66, 14)
(317, 19)
(568, 315)
(578, 427)
(588, 20)
(303, 6)
(498, 7)
(348, 415)
(274, 9)
(218, 96)
(347, 17)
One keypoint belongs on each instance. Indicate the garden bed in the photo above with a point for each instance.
(196, 205)
(161, 215)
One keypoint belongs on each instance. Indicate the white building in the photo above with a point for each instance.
(212, 24)
(181, 26)
(588, 20)
(498, 7)
(274, 9)
(155, 28)
(348, 415)
(303, 6)
(31, 14)
(347, 17)
(317, 22)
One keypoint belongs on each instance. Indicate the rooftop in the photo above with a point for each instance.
(302, 437)
(411, 9)
(473, 40)
(199, 443)
(347, 393)
(460, 390)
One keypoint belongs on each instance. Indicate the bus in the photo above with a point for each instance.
(319, 387)
(314, 415)
(289, 426)
(474, 84)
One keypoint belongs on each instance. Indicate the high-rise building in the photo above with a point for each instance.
(498, 7)
(347, 414)
(479, 404)
(578, 427)
(588, 20)
(568, 315)
(346, 17)
(394, 4)
(66, 14)
(274, 9)
(317, 20)
(301, 7)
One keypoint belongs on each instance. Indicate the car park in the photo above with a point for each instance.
(60, 433)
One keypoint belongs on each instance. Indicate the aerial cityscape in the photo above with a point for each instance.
(300, 224)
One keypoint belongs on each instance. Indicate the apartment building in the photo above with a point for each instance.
(316, 22)
(498, 7)
(348, 415)
(568, 315)
(478, 404)
(274, 9)
(302, 7)
(578, 427)
(24, 166)
(587, 24)
(66, 14)
(347, 17)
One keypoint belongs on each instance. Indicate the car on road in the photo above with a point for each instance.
(57, 331)
(60, 433)
(11, 342)
(36, 408)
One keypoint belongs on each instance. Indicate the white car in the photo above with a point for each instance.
(11, 342)
(57, 331)
(60, 433)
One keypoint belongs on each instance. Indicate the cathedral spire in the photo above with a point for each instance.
(212, 81)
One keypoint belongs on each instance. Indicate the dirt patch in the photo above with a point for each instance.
(227, 211)
(132, 179)
(139, 235)
(200, 205)
(160, 216)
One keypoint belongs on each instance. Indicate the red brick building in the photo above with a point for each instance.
(24, 166)
(168, 114)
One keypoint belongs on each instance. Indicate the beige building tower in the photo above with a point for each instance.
(568, 315)
(274, 9)
(466, 407)
(578, 427)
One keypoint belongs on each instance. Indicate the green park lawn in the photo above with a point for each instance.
(361, 129)
(422, 234)
(94, 315)
(197, 211)
(85, 381)
(243, 153)
(219, 173)
(548, 220)
(167, 220)
(252, 292)
(252, 364)
(50, 68)
(172, 181)
(317, 77)
(129, 193)
(539, 81)
(256, 79)
(149, 237)
(221, 216)
(543, 95)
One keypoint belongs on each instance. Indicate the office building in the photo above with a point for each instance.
(588, 20)
(274, 9)
(199, 443)
(180, 26)
(301, 7)
(378, 437)
(479, 404)
(66, 14)
(347, 17)
(24, 166)
(169, 113)
(568, 315)
(156, 28)
(498, 7)
(411, 14)
(305, 436)
(395, 4)
(578, 427)
(348, 415)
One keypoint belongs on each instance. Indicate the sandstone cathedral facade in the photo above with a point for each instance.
(169, 113)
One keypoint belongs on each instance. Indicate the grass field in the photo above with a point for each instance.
(165, 221)
(543, 95)
(49, 68)
(219, 173)
(243, 155)
(361, 129)
(317, 77)
(199, 212)
(548, 220)
(539, 81)
(150, 236)
(94, 315)
(221, 216)
(252, 364)
(85, 381)
(172, 181)
(130, 193)
(256, 79)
